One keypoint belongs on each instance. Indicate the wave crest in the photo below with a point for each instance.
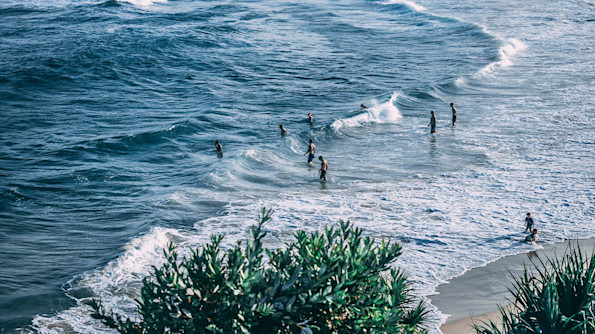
(407, 3)
(143, 3)
(511, 47)
(386, 112)
(117, 284)
(507, 51)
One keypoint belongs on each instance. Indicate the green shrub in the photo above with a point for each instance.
(331, 282)
(558, 299)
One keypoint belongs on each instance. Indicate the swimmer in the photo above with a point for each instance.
(311, 118)
(283, 131)
(529, 222)
(311, 151)
(454, 113)
(432, 123)
(218, 149)
(531, 237)
(323, 168)
(362, 106)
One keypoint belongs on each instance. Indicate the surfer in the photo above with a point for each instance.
(531, 237)
(311, 118)
(323, 168)
(283, 131)
(362, 106)
(432, 124)
(311, 151)
(218, 149)
(454, 113)
(529, 222)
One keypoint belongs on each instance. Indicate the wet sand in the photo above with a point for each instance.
(478, 292)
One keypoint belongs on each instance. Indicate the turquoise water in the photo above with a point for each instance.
(109, 111)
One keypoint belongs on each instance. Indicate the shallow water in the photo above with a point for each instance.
(109, 110)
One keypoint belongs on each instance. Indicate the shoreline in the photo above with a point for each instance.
(465, 325)
(478, 292)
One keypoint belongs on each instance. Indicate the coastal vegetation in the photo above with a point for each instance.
(558, 297)
(336, 281)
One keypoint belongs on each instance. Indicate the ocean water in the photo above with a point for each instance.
(109, 111)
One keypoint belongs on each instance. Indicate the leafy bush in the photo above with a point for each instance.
(331, 282)
(558, 299)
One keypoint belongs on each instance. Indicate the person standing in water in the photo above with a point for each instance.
(529, 224)
(218, 149)
(283, 131)
(454, 113)
(323, 168)
(432, 124)
(311, 118)
(311, 151)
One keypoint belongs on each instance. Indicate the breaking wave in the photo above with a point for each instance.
(386, 112)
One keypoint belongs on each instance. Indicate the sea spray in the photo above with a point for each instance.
(386, 112)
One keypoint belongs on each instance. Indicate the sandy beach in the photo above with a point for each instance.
(476, 294)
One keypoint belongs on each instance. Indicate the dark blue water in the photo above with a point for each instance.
(109, 111)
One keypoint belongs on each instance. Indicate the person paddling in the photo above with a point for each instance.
(283, 131)
(531, 237)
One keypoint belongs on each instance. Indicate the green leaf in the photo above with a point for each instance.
(294, 277)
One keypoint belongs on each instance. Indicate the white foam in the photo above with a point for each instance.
(295, 146)
(408, 3)
(143, 3)
(117, 284)
(511, 47)
(442, 236)
(262, 157)
(385, 112)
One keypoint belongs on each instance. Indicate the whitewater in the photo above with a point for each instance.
(109, 111)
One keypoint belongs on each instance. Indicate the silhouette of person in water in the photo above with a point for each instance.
(283, 131)
(218, 149)
(323, 168)
(311, 118)
(362, 106)
(454, 113)
(311, 151)
(529, 222)
(432, 124)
